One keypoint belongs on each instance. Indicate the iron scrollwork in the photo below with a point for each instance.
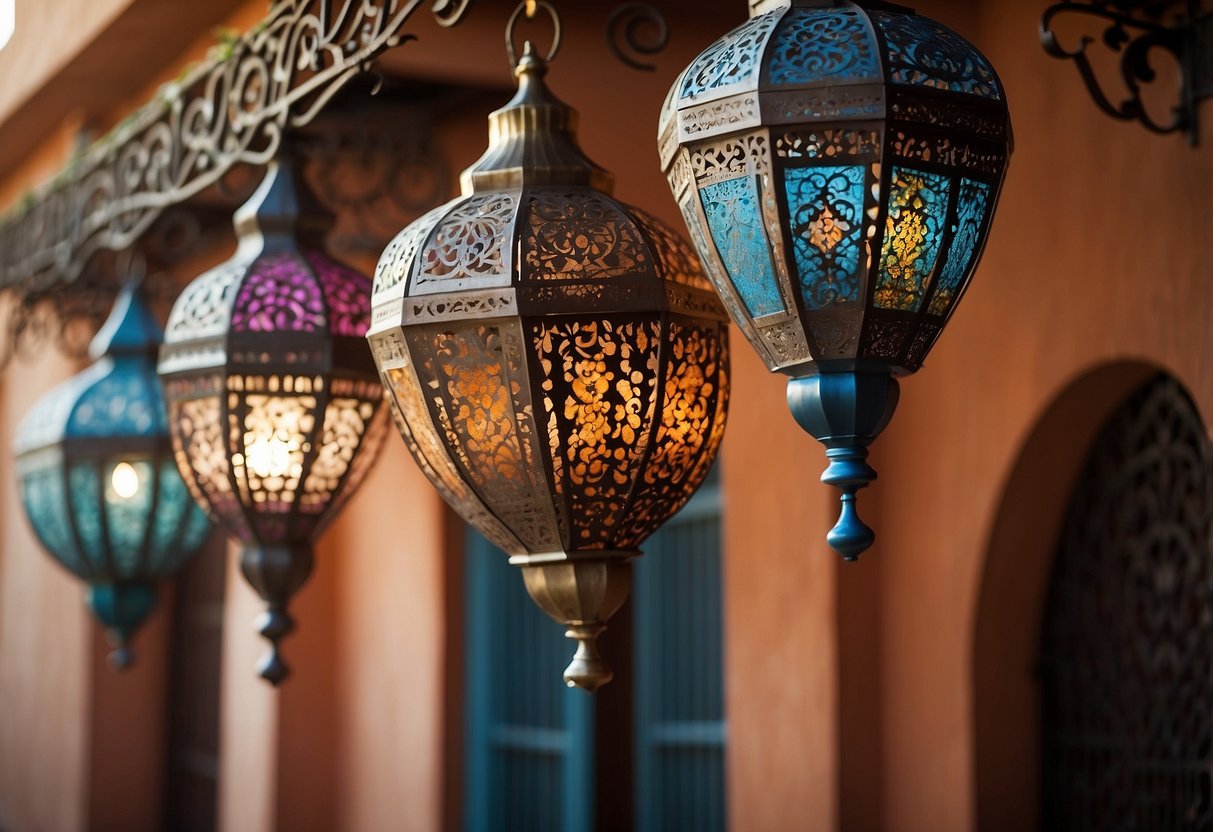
(231, 110)
(199, 145)
(1137, 32)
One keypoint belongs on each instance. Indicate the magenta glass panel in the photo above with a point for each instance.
(348, 294)
(279, 294)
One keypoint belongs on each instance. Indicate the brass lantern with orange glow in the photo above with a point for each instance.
(556, 361)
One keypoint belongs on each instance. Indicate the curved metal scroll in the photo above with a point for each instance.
(231, 110)
(638, 28)
(1136, 40)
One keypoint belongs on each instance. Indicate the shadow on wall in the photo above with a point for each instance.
(1014, 590)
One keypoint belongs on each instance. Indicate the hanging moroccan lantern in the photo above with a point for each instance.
(838, 165)
(275, 407)
(98, 480)
(556, 362)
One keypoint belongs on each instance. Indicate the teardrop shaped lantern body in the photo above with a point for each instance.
(838, 165)
(275, 406)
(97, 476)
(556, 361)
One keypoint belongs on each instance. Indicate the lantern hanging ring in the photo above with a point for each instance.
(531, 9)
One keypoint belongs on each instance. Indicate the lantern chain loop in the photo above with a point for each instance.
(531, 8)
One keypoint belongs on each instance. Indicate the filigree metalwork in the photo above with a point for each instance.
(556, 362)
(1126, 666)
(838, 165)
(98, 480)
(1182, 30)
(219, 115)
(275, 405)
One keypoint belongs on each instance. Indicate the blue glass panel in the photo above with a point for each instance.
(971, 205)
(925, 53)
(127, 513)
(827, 218)
(830, 45)
(125, 402)
(917, 206)
(86, 511)
(734, 213)
(179, 526)
(46, 506)
(732, 59)
(679, 674)
(529, 752)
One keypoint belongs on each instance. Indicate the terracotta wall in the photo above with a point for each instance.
(1101, 255)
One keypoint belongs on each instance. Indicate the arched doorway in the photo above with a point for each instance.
(1018, 569)
(1126, 651)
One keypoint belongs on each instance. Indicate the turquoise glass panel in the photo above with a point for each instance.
(127, 515)
(731, 60)
(971, 206)
(46, 506)
(179, 526)
(822, 45)
(734, 213)
(125, 402)
(917, 213)
(86, 512)
(827, 220)
(927, 54)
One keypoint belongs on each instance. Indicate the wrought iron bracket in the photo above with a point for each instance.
(1137, 31)
(223, 117)
(232, 110)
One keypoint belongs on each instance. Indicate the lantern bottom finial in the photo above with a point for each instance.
(276, 572)
(121, 607)
(582, 592)
(587, 670)
(274, 624)
(845, 411)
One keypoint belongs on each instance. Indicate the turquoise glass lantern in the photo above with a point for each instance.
(838, 165)
(98, 479)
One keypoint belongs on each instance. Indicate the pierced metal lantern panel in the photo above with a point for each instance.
(838, 168)
(556, 360)
(98, 480)
(275, 405)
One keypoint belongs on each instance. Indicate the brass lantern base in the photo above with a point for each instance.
(582, 592)
(276, 572)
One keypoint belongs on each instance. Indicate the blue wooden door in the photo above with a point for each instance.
(679, 687)
(529, 755)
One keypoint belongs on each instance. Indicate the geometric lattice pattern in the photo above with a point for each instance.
(1126, 654)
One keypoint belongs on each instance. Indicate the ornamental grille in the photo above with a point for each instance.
(1127, 650)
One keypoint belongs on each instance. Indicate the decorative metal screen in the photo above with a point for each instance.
(1127, 651)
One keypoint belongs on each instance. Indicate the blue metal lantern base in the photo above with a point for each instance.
(845, 411)
(276, 572)
(121, 608)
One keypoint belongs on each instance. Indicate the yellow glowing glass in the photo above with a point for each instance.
(125, 480)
